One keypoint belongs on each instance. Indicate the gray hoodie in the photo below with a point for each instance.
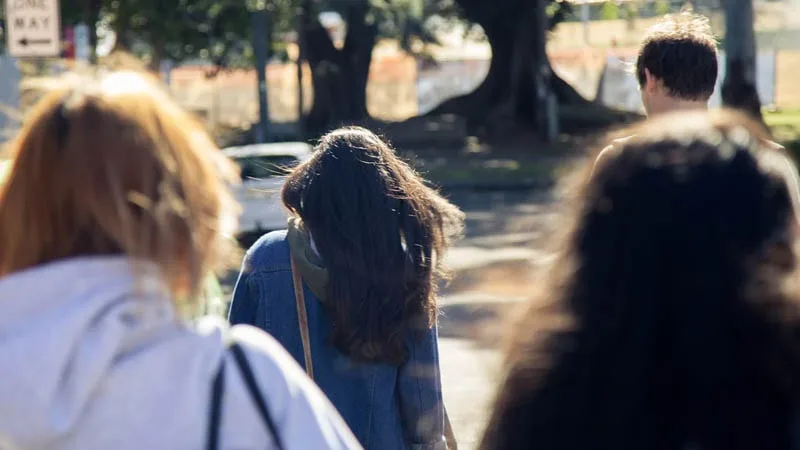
(95, 358)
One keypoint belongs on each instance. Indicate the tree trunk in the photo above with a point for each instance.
(490, 92)
(157, 54)
(91, 16)
(739, 88)
(509, 96)
(121, 31)
(339, 77)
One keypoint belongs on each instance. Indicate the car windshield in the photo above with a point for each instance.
(266, 166)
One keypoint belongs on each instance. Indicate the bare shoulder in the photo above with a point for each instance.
(609, 152)
(773, 145)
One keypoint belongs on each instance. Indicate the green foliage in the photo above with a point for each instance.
(219, 30)
(402, 20)
(629, 11)
(610, 11)
(661, 7)
(558, 12)
(214, 30)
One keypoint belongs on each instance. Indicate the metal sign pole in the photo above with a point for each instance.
(260, 40)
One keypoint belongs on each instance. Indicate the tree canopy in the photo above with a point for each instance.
(219, 31)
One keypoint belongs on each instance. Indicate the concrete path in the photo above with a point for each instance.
(469, 377)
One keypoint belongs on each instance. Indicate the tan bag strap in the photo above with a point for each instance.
(449, 434)
(302, 318)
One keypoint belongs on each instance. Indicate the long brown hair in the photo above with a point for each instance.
(382, 234)
(109, 164)
(669, 317)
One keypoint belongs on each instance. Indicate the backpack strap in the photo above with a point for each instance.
(218, 394)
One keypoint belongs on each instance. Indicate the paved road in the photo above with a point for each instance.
(469, 381)
(504, 234)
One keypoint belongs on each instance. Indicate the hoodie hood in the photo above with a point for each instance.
(63, 327)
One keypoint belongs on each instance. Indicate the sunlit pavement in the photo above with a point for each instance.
(469, 381)
(504, 240)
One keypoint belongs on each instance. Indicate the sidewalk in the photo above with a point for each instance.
(471, 330)
(469, 383)
(490, 283)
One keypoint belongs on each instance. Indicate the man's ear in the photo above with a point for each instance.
(651, 83)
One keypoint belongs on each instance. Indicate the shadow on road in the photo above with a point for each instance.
(484, 323)
(505, 279)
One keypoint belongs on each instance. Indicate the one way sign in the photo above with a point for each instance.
(33, 28)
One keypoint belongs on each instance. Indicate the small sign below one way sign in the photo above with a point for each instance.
(33, 28)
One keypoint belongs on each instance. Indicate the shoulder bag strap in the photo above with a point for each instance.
(215, 412)
(302, 318)
(255, 393)
(449, 435)
(218, 394)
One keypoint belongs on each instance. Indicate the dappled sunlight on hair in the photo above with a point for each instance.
(107, 163)
(382, 234)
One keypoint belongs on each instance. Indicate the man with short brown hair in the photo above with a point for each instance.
(676, 67)
(677, 64)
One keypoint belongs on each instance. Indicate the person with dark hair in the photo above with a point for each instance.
(670, 318)
(676, 67)
(677, 64)
(365, 246)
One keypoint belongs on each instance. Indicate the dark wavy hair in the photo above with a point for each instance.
(381, 233)
(668, 320)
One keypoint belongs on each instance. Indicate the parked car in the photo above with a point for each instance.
(263, 169)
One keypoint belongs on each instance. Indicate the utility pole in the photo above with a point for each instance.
(91, 13)
(585, 13)
(546, 106)
(303, 11)
(259, 20)
(739, 88)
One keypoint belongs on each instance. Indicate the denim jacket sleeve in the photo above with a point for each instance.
(264, 277)
(244, 306)
(420, 394)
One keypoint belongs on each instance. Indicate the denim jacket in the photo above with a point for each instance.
(387, 407)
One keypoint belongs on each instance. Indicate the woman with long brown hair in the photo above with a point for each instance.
(114, 211)
(671, 317)
(350, 288)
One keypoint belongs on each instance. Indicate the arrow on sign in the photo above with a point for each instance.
(25, 42)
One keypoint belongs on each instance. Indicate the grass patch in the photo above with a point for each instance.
(783, 118)
(785, 126)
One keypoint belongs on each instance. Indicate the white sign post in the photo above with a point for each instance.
(33, 28)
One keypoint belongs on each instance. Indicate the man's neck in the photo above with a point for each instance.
(678, 105)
